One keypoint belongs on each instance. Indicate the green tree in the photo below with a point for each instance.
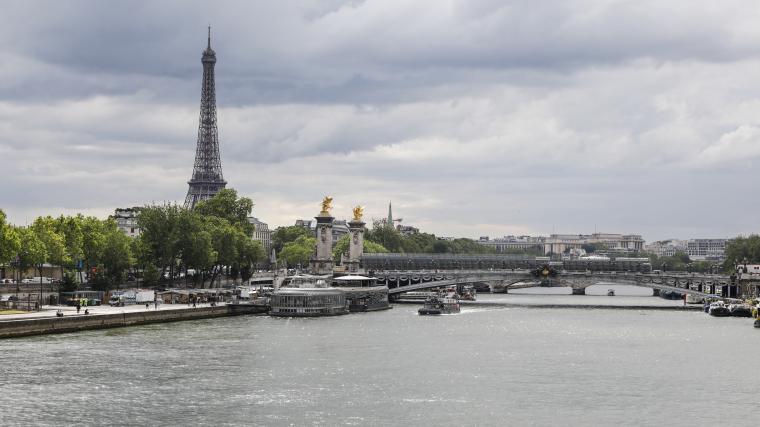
(341, 247)
(227, 205)
(385, 235)
(32, 250)
(298, 251)
(93, 240)
(742, 249)
(116, 257)
(160, 233)
(9, 241)
(284, 235)
(194, 242)
(55, 244)
(71, 229)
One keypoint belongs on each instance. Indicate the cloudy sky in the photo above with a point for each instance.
(474, 117)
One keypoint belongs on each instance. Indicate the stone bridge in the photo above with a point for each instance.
(504, 280)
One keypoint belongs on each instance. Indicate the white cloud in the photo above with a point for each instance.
(474, 117)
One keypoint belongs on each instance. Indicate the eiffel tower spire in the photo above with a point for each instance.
(207, 177)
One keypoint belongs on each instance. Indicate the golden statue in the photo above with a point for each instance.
(358, 212)
(326, 205)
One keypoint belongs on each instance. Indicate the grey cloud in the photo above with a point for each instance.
(474, 117)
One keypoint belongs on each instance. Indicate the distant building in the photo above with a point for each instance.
(339, 229)
(308, 224)
(622, 243)
(667, 247)
(126, 220)
(261, 233)
(707, 249)
(407, 230)
(508, 243)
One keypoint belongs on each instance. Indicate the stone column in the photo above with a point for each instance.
(355, 245)
(322, 262)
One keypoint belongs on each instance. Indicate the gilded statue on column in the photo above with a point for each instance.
(326, 205)
(358, 212)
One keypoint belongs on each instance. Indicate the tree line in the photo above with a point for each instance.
(212, 238)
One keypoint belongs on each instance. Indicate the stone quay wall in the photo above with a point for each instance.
(57, 325)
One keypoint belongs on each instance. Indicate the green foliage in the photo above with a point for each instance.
(743, 249)
(55, 244)
(678, 262)
(298, 251)
(393, 241)
(387, 236)
(151, 275)
(226, 205)
(341, 247)
(69, 283)
(116, 257)
(9, 241)
(214, 234)
(284, 235)
(32, 251)
(590, 248)
(371, 247)
(159, 233)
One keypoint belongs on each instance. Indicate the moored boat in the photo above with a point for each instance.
(719, 309)
(740, 310)
(307, 296)
(440, 305)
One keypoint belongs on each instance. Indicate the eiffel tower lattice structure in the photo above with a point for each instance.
(207, 178)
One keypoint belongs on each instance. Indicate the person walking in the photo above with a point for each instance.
(79, 306)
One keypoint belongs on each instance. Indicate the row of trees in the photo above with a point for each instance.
(743, 250)
(214, 235)
(70, 242)
(680, 261)
(396, 242)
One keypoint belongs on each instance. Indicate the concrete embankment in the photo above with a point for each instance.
(56, 325)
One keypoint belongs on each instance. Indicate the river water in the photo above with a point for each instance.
(485, 366)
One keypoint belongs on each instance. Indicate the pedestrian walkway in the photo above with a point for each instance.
(50, 310)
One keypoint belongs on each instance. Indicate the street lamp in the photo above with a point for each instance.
(16, 263)
(39, 301)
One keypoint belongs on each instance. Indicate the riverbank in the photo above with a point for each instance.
(572, 306)
(552, 299)
(46, 321)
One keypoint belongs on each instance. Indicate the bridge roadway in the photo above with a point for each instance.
(503, 280)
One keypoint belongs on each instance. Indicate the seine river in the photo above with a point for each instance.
(485, 366)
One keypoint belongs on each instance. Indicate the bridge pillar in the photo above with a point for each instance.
(579, 291)
(655, 292)
(355, 244)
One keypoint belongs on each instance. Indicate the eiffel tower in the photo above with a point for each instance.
(207, 177)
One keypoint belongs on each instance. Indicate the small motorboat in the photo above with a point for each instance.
(719, 309)
(757, 323)
(610, 292)
(740, 310)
